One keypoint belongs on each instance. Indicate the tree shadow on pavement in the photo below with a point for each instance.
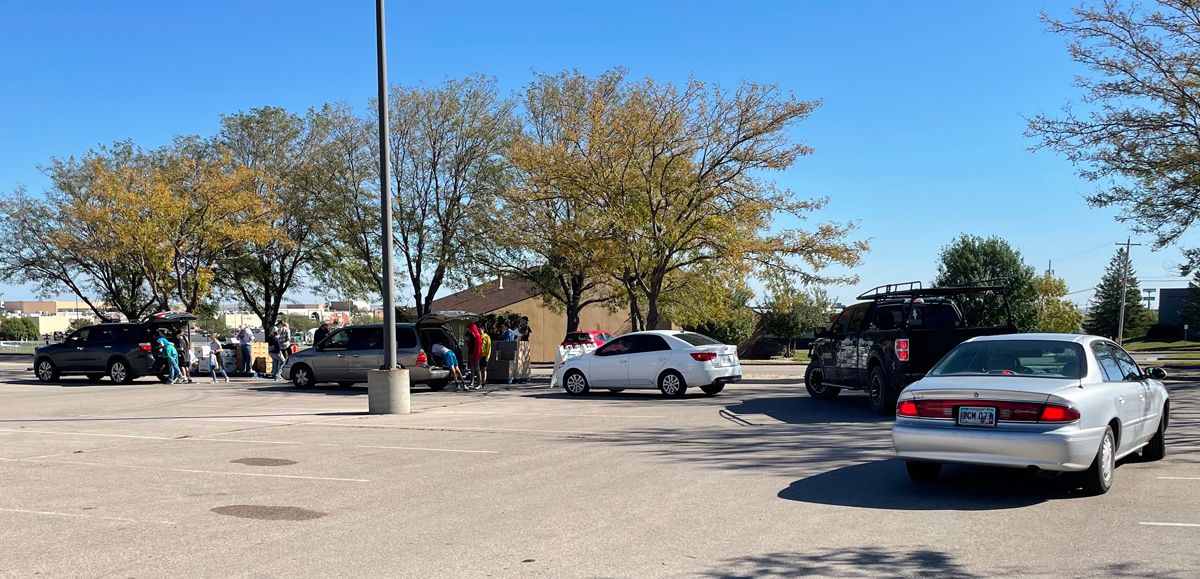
(845, 562)
(884, 484)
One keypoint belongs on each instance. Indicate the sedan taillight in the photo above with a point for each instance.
(145, 346)
(907, 408)
(1059, 413)
(704, 356)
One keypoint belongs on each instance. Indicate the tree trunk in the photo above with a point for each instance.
(573, 313)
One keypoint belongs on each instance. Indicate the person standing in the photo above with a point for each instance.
(184, 344)
(272, 339)
(216, 359)
(245, 339)
(523, 329)
(485, 354)
(507, 333)
(475, 353)
(321, 333)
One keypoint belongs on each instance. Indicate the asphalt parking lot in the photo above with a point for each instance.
(257, 479)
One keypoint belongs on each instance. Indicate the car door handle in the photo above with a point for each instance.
(79, 348)
(619, 361)
(1120, 399)
(341, 356)
(108, 347)
(355, 356)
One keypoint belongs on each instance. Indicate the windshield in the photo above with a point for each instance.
(578, 337)
(1035, 358)
(698, 339)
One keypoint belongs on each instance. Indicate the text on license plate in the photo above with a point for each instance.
(976, 415)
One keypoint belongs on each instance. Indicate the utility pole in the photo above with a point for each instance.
(1124, 289)
(388, 387)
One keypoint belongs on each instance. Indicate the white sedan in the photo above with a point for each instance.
(669, 361)
(1042, 402)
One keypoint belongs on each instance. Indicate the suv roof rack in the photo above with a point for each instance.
(913, 289)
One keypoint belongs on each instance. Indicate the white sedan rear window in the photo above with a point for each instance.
(698, 339)
(1034, 358)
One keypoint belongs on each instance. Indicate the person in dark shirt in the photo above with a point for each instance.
(321, 333)
(523, 329)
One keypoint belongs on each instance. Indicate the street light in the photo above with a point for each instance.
(388, 387)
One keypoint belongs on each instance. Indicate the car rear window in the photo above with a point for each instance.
(1032, 358)
(697, 339)
(578, 337)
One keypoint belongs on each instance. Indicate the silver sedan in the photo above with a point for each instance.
(1043, 402)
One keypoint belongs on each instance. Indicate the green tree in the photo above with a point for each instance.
(448, 148)
(543, 229)
(19, 328)
(970, 259)
(714, 305)
(1104, 311)
(789, 311)
(1139, 132)
(300, 322)
(279, 151)
(1056, 313)
(676, 178)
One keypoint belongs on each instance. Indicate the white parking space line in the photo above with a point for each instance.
(438, 411)
(1171, 524)
(185, 470)
(209, 438)
(1178, 478)
(450, 428)
(204, 418)
(270, 408)
(82, 516)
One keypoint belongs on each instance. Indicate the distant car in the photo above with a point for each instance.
(670, 361)
(121, 351)
(587, 337)
(1043, 402)
(345, 356)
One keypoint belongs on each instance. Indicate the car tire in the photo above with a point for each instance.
(921, 471)
(438, 386)
(672, 384)
(1156, 449)
(118, 372)
(879, 393)
(575, 383)
(712, 389)
(1098, 478)
(45, 370)
(814, 383)
(302, 376)
(95, 377)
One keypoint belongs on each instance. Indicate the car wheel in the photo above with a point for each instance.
(302, 376)
(616, 390)
(921, 471)
(880, 393)
(713, 389)
(118, 372)
(671, 384)
(1098, 478)
(46, 370)
(438, 386)
(95, 377)
(814, 382)
(1156, 449)
(575, 383)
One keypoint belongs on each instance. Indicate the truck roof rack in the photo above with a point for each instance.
(913, 289)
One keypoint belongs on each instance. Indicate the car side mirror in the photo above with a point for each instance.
(1157, 373)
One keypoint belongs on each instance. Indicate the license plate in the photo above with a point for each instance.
(977, 416)
(725, 361)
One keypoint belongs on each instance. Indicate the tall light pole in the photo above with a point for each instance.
(388, 387)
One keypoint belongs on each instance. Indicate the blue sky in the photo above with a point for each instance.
(919, 137)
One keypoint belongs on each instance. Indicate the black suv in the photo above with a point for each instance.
(891, 339)
(120, 351)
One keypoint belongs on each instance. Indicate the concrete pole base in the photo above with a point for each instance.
(388, 392)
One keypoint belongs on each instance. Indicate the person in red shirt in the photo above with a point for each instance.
(475, 339)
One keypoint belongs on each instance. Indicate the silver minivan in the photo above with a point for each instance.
(345, 356)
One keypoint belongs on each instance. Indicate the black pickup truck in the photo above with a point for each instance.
(891, 339)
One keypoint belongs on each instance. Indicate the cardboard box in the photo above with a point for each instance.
(510, 361)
